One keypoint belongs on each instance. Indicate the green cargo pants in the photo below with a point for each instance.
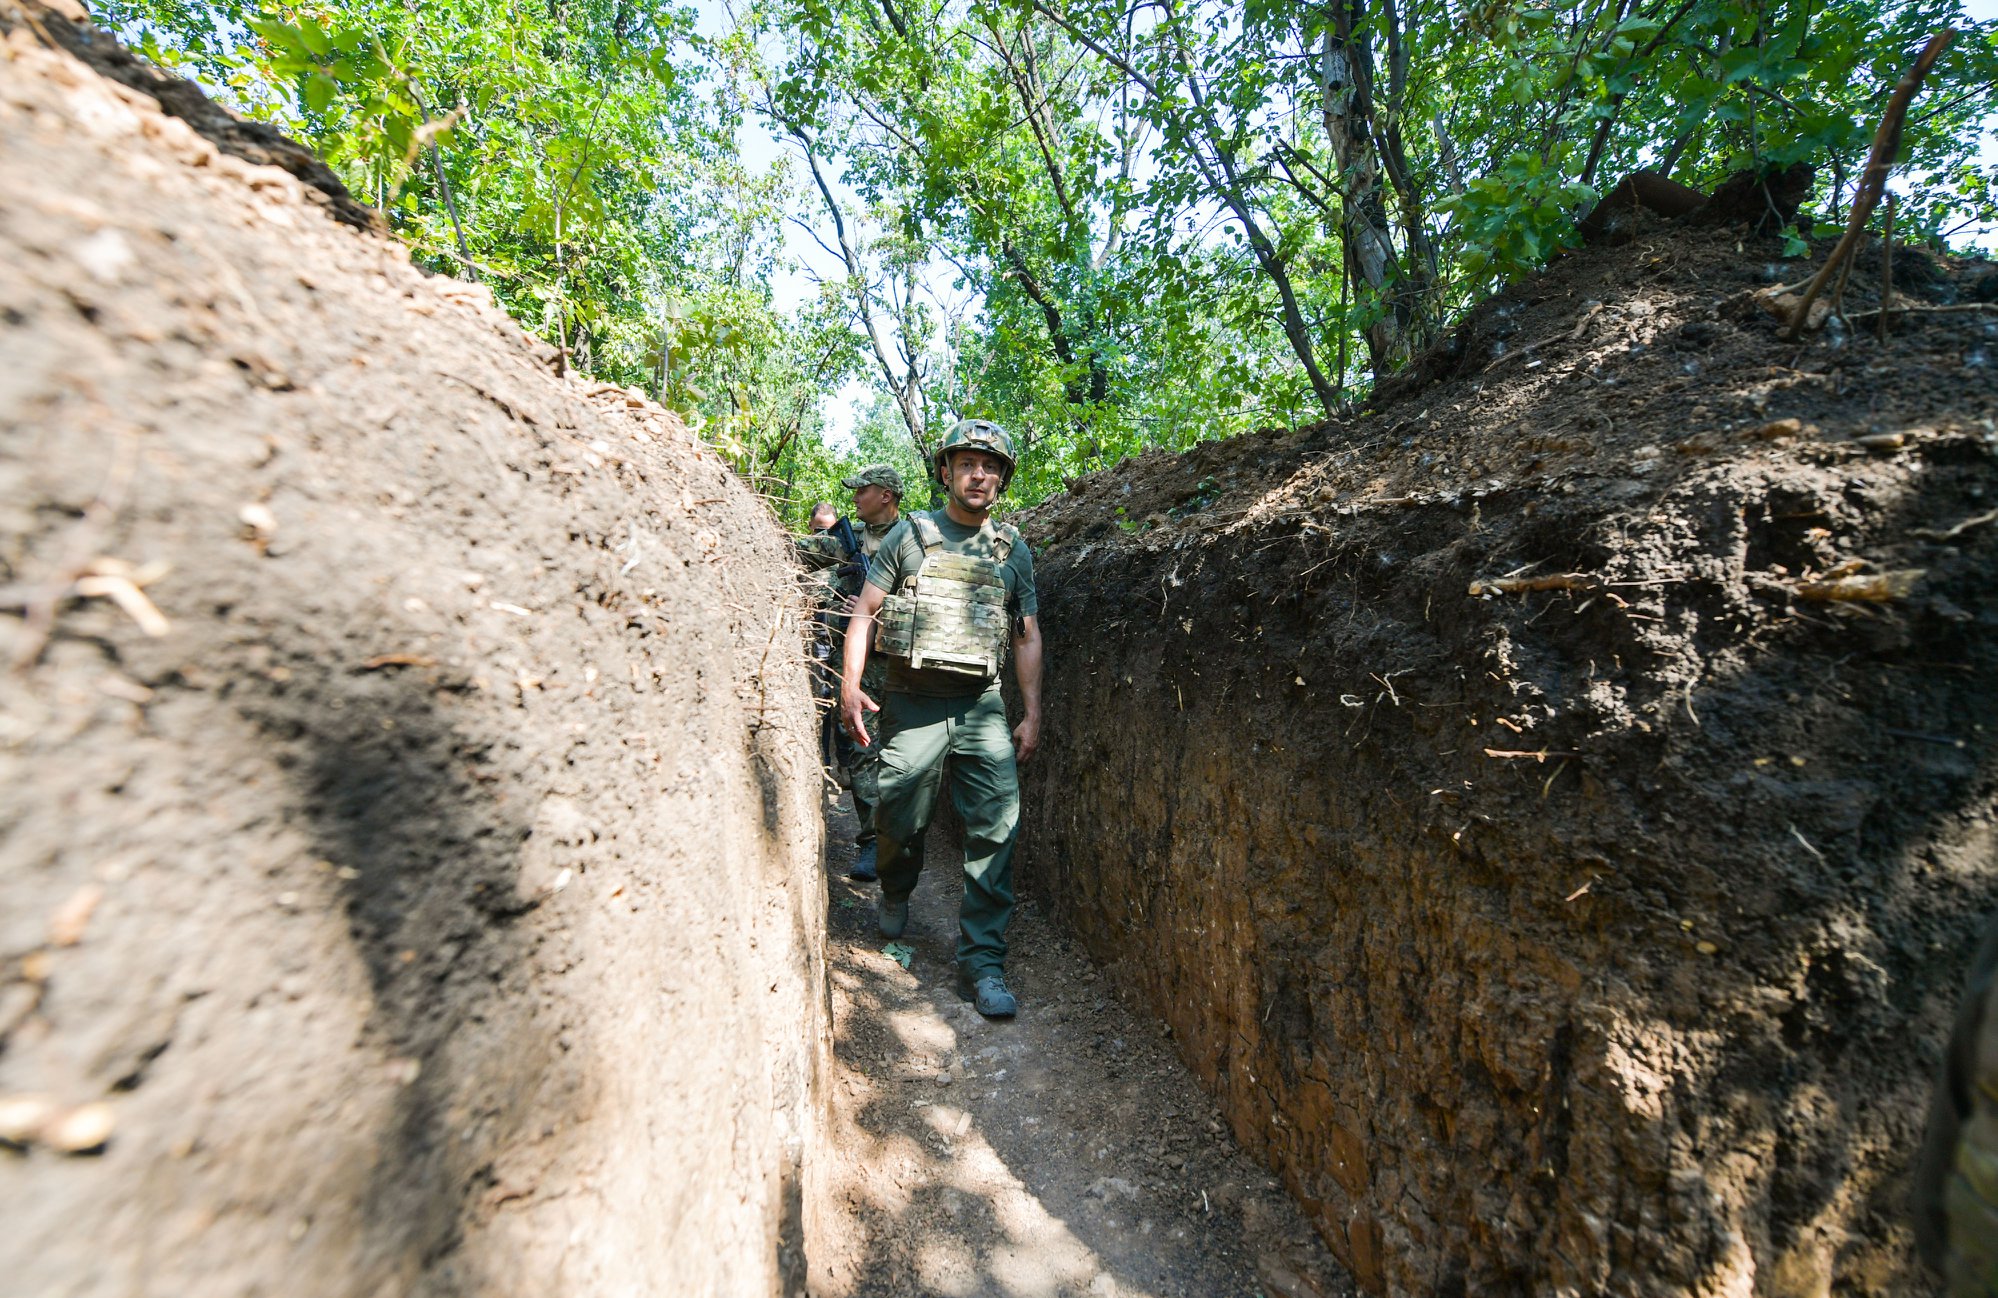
(970, 734)
(861, 762)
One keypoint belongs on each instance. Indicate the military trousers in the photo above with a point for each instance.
(966, 742)
(863, 763)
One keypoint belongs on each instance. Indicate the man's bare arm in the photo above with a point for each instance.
(853, 704)
(1027, 671)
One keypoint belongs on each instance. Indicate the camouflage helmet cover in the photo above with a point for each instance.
(875, 475)
(977, 435)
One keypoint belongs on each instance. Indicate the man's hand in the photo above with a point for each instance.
(1026, 736)
(854, 705)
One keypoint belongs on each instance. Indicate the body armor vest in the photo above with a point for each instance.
(950, 616)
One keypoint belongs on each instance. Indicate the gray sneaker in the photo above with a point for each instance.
(894, 916)
(989, 996)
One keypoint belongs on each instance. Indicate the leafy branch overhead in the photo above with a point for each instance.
(1186, 219)
(1111, 227)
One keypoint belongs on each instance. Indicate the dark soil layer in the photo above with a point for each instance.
(409, 827)
(1592, 939)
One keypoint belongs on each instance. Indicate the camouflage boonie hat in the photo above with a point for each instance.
(875, 475)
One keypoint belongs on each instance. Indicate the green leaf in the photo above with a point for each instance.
(399, 131)
(282, 35)
(313, 37)
(319, 91)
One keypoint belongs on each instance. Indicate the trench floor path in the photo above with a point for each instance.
(1067, 1152)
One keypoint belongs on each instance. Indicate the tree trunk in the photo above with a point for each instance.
(1370, 251)
(1075, 387)
(905, 386)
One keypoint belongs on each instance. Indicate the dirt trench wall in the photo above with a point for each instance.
(431, 906)
(1656, 1014)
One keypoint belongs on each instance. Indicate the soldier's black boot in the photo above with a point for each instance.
(862, 868)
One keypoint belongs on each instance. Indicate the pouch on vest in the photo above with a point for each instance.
(894, 622)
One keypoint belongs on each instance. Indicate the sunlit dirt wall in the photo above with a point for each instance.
(409, 825)
(1584, 940)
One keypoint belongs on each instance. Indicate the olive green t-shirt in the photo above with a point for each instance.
(901, 557)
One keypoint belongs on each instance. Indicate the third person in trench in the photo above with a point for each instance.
(954, 591)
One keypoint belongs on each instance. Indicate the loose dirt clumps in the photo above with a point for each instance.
(1552, 809)
(409, 824)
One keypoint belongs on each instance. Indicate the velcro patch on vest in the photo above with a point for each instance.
(938, 587)
(963, 567)
(935, 617)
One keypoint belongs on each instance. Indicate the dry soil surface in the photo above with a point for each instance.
(1066, 1152)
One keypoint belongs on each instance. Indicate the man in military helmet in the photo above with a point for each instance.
(951, 591)
(877, 503)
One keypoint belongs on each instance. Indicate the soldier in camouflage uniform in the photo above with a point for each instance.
(838, 556)
(948, 594)
(877, 503)
(833, 572)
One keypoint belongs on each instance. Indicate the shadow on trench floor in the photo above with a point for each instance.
(1067, 1152)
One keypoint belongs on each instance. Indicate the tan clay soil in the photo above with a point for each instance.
(408, 824)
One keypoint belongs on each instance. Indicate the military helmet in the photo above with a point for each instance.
(977, 435)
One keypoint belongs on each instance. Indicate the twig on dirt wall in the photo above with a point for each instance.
(41, 31)
(1865, 588)
(1873, 182)
(1950, 534)
(763, 666)
(1521, 585)
(1905, 309)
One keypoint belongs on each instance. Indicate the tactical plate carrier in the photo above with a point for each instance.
(950, 616)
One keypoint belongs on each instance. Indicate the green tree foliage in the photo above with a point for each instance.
(546, 150)
(1699, 91)
(578, 157)
(1187, 217)
(1170, 221)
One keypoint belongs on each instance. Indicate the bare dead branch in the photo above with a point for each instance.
(1886, 141)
